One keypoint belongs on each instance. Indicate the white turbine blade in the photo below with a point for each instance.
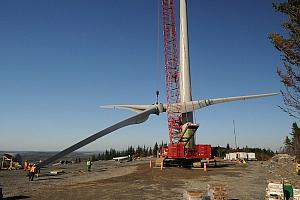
(136, 119)
(134, 108)
(195, 105)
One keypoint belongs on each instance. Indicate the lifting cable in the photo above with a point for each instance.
(194, 113)
(158, 63)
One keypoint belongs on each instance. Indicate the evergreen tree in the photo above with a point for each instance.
(93, 157)
(287, 145)
(295, 142)
(107, 156)
(150, 153)
(155, 149)
(227, 147)
(112, 153)
(130, 150)
(144, 152)
(139, 151)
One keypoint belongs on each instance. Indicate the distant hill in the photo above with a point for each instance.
(34, 156)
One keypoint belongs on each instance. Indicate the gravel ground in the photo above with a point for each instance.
(15, 183)
(135, 180)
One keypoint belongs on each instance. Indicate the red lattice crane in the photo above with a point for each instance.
(171, 70)
(182, 147)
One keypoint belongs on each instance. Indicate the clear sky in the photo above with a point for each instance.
(61, 59)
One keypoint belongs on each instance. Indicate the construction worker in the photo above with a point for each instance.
(38, 170)
(28, 170)
(25, 165)
(28, 167)
(215, 161)
(89, 164)
(32, 172)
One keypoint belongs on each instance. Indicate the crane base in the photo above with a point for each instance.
(180, 152)
(188, 163)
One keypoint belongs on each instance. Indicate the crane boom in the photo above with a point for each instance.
(171, 70)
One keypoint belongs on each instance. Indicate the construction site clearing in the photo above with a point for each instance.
(140, 179)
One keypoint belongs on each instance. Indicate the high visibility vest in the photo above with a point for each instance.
(88, 162)
(32, 169)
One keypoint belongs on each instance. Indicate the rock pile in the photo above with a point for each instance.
(282, 167)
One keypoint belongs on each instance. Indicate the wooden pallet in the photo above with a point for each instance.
(217, 192)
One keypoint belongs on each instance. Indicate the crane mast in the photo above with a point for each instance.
(177, 72)
(171, 70)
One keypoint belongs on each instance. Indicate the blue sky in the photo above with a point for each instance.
(60, 60)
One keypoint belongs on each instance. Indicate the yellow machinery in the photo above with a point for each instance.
(298, 168)
(11, 161)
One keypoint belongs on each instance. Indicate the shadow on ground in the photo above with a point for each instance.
(47, 179)
(16, 197)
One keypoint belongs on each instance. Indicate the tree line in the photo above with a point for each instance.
(143, 151)
(139, 151)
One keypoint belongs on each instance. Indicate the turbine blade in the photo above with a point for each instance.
(134, 108)
(136, 119)
(195, 105)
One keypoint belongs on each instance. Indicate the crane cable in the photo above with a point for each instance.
(194, 114)
(157, 48)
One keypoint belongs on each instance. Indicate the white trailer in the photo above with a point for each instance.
(251, 156)
(240, 155)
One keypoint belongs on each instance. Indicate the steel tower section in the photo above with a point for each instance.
(171, 70)
(185, 77)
